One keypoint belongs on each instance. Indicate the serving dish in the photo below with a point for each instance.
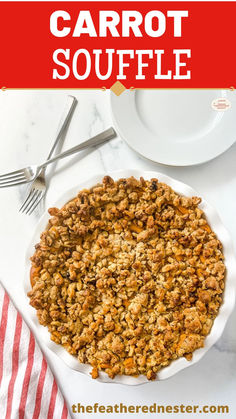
(229, 294)
(176, 127)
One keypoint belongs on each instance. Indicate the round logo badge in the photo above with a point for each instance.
(221, 104)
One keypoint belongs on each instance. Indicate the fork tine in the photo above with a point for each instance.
(37, 203)
(12, 180)
(7, 185)
(31, 197)
(11, 173)
(35, 200)
(3, 179)
(26, 200)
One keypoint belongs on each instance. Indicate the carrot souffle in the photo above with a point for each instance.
(128, 276)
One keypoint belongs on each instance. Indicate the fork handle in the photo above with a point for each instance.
(98, 139)
(65, 118)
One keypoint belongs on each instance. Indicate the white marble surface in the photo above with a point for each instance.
(28, 122)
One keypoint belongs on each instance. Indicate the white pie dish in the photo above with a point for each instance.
(229, 293)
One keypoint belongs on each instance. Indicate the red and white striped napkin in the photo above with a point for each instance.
(28, 389)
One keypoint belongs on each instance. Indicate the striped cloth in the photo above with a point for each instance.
(28, 389)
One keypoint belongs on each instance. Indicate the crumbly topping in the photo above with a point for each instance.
(128, 276)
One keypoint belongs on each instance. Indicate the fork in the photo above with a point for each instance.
(30, 173)
(38, 187)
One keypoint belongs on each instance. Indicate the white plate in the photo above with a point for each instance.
(175, 127)
(225, 309)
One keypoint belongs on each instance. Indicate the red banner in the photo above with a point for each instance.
(95, 44)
